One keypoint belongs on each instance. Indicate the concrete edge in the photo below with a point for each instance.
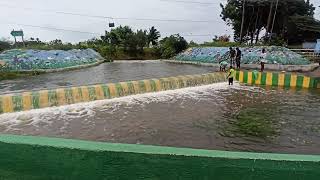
(279, 79)
(269, 67)
(63, 69)
(24, 101)
(149, 149)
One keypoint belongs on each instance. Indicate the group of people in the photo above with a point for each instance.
(235, 61)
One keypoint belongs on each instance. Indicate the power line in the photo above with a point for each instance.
(118, 18)
(191, 2)
(53, 28)
(94, 33)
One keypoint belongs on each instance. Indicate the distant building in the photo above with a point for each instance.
(317, 48)
(309, 45)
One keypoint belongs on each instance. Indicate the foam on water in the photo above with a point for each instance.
(88, 110)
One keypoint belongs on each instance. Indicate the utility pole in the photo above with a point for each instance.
(274, 18)
(269, 18)
(242, 23)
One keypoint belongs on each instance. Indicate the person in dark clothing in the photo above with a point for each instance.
(238, 58)
(232, 56)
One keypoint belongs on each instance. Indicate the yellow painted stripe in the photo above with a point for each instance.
(76, 95)
(147, 85)
(293, 81)
(175, 81)
(158, 84)
(136, 86)
(165, 79)
(306, 82)
(200, 78)
(281, 78)
(269, 79)
(258, 80)
(44, 99)
(27, 101)
(184, 79)
(61, 97)
(125, 88)
(187, 77)
(99, 92)
(85, 94)
(249, 78)
(7, 104)
(113, 90)
(241, 76)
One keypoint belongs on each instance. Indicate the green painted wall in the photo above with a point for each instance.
(47, 158)
(293, 80)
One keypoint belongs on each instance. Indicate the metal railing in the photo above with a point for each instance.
(308, 53)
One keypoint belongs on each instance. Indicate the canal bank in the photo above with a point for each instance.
(207, 117)
(48, 158)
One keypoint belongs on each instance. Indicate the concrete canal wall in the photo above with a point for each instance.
(268, 67)
(58, 97)
(277, 79)
(50, 158)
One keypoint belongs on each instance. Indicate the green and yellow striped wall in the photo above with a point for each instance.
(277, 79)
(64, 96)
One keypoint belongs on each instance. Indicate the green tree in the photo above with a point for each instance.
(4, 45)
(259, 15)
(193, 44)
(172, 45)
(141, 38)
(153, 36)
(303, 28)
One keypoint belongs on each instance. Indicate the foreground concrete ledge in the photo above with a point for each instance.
(149, 149)
(24, 157)
(269, 67)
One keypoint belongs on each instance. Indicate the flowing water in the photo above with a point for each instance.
(104, 73)
(219, 117)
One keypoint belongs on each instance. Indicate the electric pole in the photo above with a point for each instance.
(269, 20)
(242, 23)
(274, 18)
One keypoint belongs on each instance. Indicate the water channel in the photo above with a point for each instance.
(219, 117)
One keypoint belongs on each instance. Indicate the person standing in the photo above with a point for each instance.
(263, 59)
(231, 76)
(232, 56)
(238, 57)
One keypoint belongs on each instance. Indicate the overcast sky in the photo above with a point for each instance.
(42, 13)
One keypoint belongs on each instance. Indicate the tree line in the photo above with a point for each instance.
(119, 43)
(283, 21)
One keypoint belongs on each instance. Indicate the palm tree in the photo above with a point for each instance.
(153, 36)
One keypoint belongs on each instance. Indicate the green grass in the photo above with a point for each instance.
(14, 75)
